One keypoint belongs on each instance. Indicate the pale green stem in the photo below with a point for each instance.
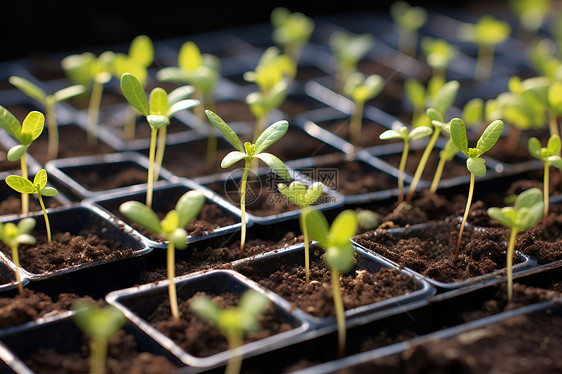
(47, 225)
(130, 124)
(25, 175)
(151, 156)
(484, 63)
(16, 258)
(401, 169)
(553, 124)
(235, 362)
(171, 264)
(466, 210)
(304, 229)
(421, 164)
(98, 347)
(212, 145)
(437, 176)
(243, 205)
(53, 141)
(355, 123)
(546, 193)
(159, 158)
(510, 251)
(340, 312)
(93, 111)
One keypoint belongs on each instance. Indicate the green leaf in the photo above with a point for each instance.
(33, 125)
(134, 93)
(97, 321)
(343, 227)
(528, 198)
(20, 184)
(40, 179)
(445, 97)
(181, 105)
(178, 238)
(473, 111)
(502, 216)
(434, 115)
(170, 222)
(458, 135)
(420, 132)
(270, 135)
(391, 134)
(203, 307)
(313, 193)
(157, 121)
(231, 158)
(189, 56)
(69, 92)
(489, 137)
(158, 102)
(49, 191)
(317, 226)
(252, 303)
(534, 147)
(28, 88)
(275, 164)
(415, 92)
(340, 258)
(16, 152)
(226, 130)
(141, 50)
(10, 123)
(476, 166)
(555, 161)
(180, 93)
(554, 145)
(189, 205)
(141, 214)
(26, 225)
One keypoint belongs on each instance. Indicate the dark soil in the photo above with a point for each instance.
(99, 180)
(370, 131)
(12, 204)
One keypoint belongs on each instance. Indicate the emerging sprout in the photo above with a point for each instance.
(248, 152)
(48, 101)
(335, 240)
(549, 155)
(524, 214)
(475, 165)
(408, 19)
(234, 322)
(439, 53)
(439, 95)
(100, 324)
(298, 194)
(25, 132)
(348, 50)
(171, 228)
(13, 235)
(291, 31)
(39, 187)
(531, 13)
(158, 110)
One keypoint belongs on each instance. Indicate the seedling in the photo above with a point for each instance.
(416, 133)
(158, 110)
(339, 258)
(438, 53)
(524, 214)
(48, 101)
(360, 89)
(348, 50)
(13, 235)
(39, 187)
(408, 19)
(100, 324)
(487, 32)
(475, 165)
(171, 227)
(249, 152)
(291, 31)
(302, 196)
(549, 155)
(531, 13)
(25, 133)
(439, 94)
(234, 322)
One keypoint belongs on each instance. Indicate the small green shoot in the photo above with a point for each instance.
(302, 196)
(100, 324)
(13, 235)
(475, 165)
(438, 53)
(360, 88)
(49, 102)
(234, 322)
(25, 133)
(158, 110)
(339, 258)
(39, 187)
(524, 214)
(416, 133)
(248, 152)
(171, 228)
(439, 94)
(531, 13)
(549, 155)
(408, 19)
(348, 50)
(291, 31)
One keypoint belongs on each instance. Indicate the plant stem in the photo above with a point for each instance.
(484, 63)
(546, 188)
(401, 169)
(25, 175)
(304, 230)
(52, 126)
(98, 347)
(235, 362)
(159, 158)
(171, 265)
(437, 176)
(510, 250)
(212, 145)
(466, 210)
(355, 123)
(151, 156)
(47, 225)
(130, 125)
(243, 205)
(93, 111)
(16, 258)
(553, 124)
(421, 165)
(340, 312)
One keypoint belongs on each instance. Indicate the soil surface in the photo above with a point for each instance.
(12, 204)
(100, 180)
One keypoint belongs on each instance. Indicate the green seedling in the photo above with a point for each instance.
(49, 102)
(13, 235)
(439, 95)
(339, 258)
(39, 187)
(348, 50)
(158, 110)
(473, 112)
(25, 133)
(409, 19)
(403, 134)
(524, 214)
(549, 155)
(360, 88)
(291, 31)
(475, 165)
(487, 32)
(171, 228)
(530, 13)
(438, 53)
(234, 322)
(368, 220)
(100, 324)
(249, 152)
(302, 196)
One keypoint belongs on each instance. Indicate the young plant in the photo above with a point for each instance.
(158, 110)
(524, 214)
(549, 155)
(249, 152)
(339, 258)
(25, 133)
(234, 322)
(348, 50)
(302, 196)
(171, 228)
(487, 32)
(291, 31)
(438, 53)
(475, 165)
(13, 235)
(439, 94)
(39, 187)
(408, 19)
(100, 324)
(49, 102)
(416, 133)
(360, 88)
(530, 13)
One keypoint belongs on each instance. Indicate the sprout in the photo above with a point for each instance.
(171, 228)
(234, 322)
(439, 53)
(291, 31)
(348, 50)
(248, 152)
(298, 194)
(524, 214)
(408, 19)
(531, 13)
(475, 165)
(13, 235)
(39, 187)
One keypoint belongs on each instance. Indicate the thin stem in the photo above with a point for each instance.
(340, 312)
(553, 124)
(47, 225)
(466, 210)
(130, 125)
(437, 176)
(510, 251)
(212, 145)
(546, 188)
(16, 258)
(98, 347)
(243, 205)
(401, 169)
(52, 126)
(421, 164)
(159, 159)
(235, 362)
(171, 265)
(304, 230)
(355, 123)
(93, 111)
(25, 175)
(151, 156)
(484, 63)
